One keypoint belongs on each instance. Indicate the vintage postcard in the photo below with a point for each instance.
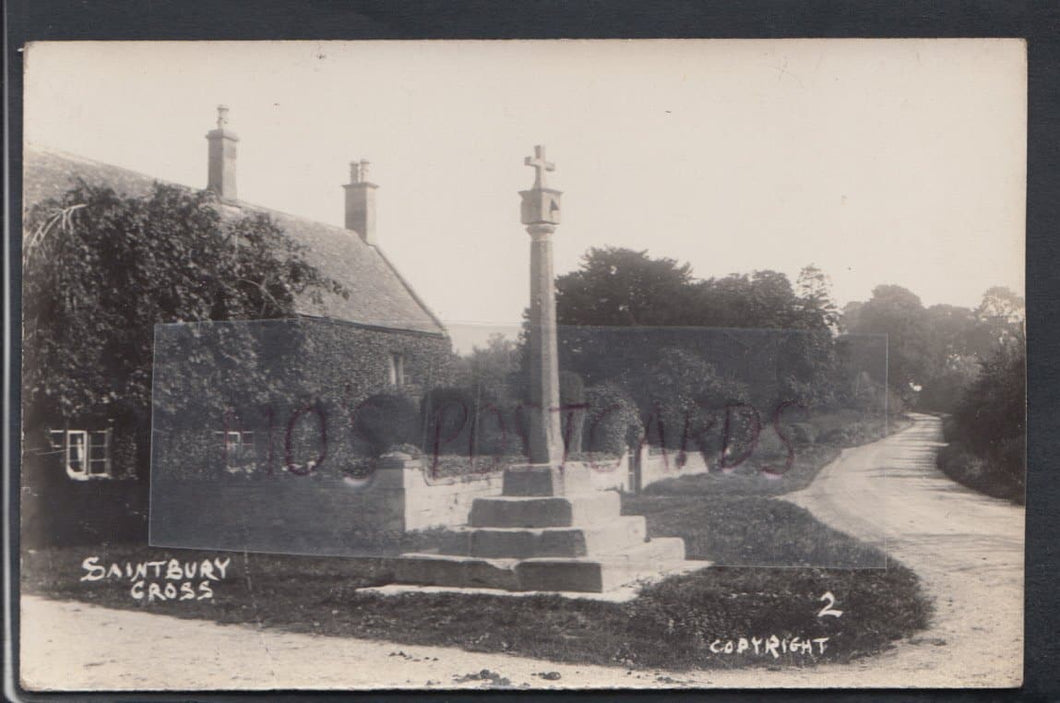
(522, 364)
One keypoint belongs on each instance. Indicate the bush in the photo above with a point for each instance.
(802, 433)
(446, 419)
(989, 427)
(839, 437)
(457, 420)
(1010, 462)
(382, 421)
(572, 392)
(944, 393)
(497, 430)
(679, 396)
(1000, 475)
(612, 422)
(949, 428)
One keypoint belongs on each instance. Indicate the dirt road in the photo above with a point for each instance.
(968, 549)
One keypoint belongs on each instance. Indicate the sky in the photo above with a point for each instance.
(880, 161)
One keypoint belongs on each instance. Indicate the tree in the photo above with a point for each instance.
(491, 378)
(814, 290)
(850, 317)
(935, 354)
(101, 269)
(615, 309)
(616, 289)
(679, 395)
(898, 313)
(1001, 313)
(489, 369)
(623, 287)
(954, 343)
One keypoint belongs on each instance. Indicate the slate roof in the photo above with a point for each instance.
(379, 296)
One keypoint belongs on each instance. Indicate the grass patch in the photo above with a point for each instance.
(748, 479)
(751, 531)
(850, 428)
(674, 624)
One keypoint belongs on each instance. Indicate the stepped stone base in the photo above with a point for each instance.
(548, 532)
(507, 511)
(542, 480)
(581, 574)
(526, 543)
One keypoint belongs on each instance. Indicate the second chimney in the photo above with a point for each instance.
(360, 202)
(221, 178)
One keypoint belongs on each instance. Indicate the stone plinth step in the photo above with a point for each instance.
(622, 594)
(457, 571)
(522, 542)
(509, 511)
(601, 573)
(545, 480)
(578, 574)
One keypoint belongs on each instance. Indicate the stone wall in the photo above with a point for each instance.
(437, 503)
(318, 514)
(328, 515)
(609, 474)
(614, 474)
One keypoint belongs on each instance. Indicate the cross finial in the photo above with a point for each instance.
(540, 165)
(222, 116)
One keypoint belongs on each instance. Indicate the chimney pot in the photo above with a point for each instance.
(221, 172)
(360, 202)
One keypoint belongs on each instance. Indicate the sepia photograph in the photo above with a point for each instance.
(523, 364)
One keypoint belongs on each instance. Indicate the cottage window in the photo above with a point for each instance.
(397, 369)
(86, 453)
(238, 448)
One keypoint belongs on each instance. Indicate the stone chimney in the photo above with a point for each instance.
(221, 178)
(360, 202)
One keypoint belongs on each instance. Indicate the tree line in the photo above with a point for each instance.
(622, 312)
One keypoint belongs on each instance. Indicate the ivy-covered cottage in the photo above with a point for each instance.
(364, 333)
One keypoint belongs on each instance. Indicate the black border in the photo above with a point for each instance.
(1038, 22)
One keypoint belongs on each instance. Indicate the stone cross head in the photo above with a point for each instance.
(540, 165)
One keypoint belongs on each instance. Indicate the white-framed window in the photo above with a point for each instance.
(86, 453)
(397, 369)
(238, 449)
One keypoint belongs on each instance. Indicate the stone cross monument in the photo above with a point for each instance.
(550, 529)
(540, 214)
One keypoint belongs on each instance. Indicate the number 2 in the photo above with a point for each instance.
(828, 609)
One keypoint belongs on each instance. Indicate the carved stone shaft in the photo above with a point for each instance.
(546, 438)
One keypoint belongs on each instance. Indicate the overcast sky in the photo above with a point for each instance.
(881, 161)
